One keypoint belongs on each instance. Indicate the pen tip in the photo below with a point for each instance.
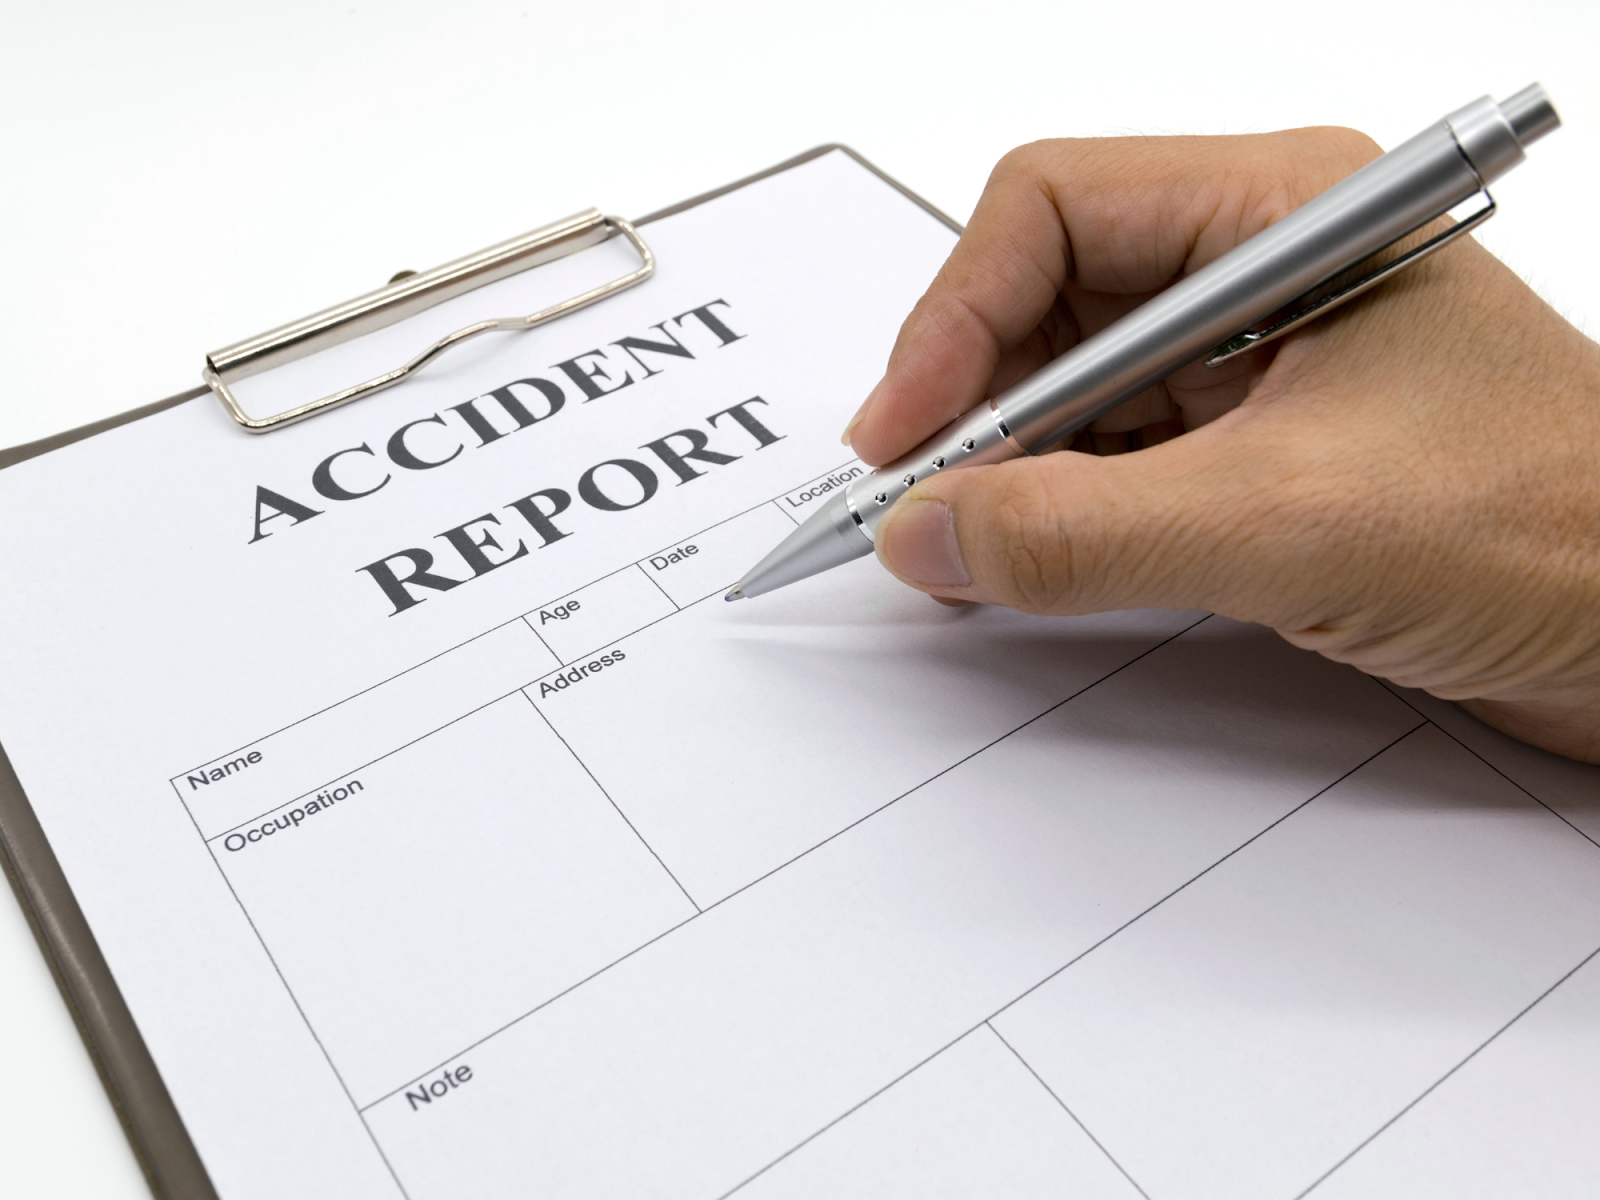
(734, 594)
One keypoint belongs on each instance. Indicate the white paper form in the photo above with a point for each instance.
(448, 835)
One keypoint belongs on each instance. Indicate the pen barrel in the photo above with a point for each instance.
(1384, 201)
(973, 440)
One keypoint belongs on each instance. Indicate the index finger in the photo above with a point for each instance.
(1107, 216)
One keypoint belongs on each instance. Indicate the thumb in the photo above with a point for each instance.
(1179, 525)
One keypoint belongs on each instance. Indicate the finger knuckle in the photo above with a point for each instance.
(1318, 157)
(1029, 161)
(1353, 146)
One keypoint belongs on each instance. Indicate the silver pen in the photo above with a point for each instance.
(1384, 201)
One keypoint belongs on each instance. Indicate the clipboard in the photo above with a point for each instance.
(160, 1142)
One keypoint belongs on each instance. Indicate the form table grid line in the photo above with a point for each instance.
(1260, 833)
(326, 708)
(634, 829)
(1437, 1083)
(656, 584)
(767, 874)
(298, 1007)
(533, 629)
(421, 737)
(987, 1021)
(1111, 1158)
(523, 1016)
(1520, 787)
(699, 910)
(854, 1108)
(437, 728)
(912, 790)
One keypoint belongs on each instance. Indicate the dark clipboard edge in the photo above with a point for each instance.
(160, 1142)
(15, 454)
(162, 1145)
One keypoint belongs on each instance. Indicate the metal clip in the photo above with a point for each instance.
(411, 293)
(1250, 339)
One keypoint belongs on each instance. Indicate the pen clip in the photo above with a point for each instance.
(1250, 339)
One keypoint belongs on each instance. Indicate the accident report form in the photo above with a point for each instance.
(448, 835)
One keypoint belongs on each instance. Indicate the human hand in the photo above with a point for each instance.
(1411, 485)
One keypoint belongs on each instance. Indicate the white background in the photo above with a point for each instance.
(179, 176)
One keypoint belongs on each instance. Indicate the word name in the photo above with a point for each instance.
(217, 774)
